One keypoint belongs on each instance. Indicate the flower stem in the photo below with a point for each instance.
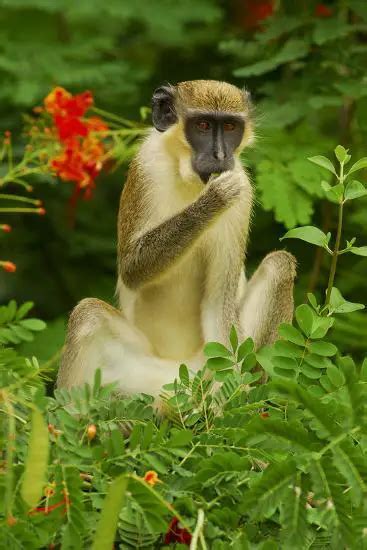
(334, 261)
(20, 210)
(19, 198)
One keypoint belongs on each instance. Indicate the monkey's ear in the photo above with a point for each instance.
(163, 108)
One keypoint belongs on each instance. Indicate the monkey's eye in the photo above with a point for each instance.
(229, 126)
(203, 125)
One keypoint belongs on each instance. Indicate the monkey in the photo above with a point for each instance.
(183, 227)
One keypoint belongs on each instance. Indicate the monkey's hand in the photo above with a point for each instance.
(225, 188)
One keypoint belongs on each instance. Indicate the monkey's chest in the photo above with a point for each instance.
(169, 311)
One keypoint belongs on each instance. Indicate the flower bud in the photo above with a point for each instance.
(91, 431)
(8, 266)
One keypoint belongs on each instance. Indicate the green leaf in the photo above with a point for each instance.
(180, 438)
(107, 525)
(325, 349)
(312, 299)
(328, 29)
(305, 318)
(354, 190)
(184, 375)
(359, 250)
(33, 324)
(233, 338)
(364, 370)
(267, 493)
(321, 326)
(317, 361)
(293, 515)
(35, 471)
(219, 363)
(287, 363)
(338, 304)
(215, 349)
(291, 50)
(323, 162)
(310, 372)
(309, 234)
(341, 153)
(333, 193)
(290, 333)
(335, 376)
(353, 468)
(359, 165)
(245, 348)
(23, 310)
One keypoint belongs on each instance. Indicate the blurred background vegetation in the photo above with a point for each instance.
(305, 64)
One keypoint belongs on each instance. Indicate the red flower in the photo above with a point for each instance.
(251, 13)
(68, 127)
(80, 162)
(177, 534)
(61, 102)
(5, 227)
(323, 11)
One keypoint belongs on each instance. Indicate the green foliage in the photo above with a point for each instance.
(14, 329)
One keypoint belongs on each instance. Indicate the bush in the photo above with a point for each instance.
(278, 464)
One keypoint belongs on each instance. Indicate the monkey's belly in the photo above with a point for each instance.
(169, 315)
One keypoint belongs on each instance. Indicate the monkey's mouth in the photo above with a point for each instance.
(205, 170)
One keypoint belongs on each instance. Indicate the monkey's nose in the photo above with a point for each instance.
(219, 155)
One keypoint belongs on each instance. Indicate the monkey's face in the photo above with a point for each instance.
(209, 117)
(214, 138)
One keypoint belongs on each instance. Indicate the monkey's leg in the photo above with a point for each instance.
(268, 299)
(99, 336)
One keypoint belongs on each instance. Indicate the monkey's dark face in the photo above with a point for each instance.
(213, 137)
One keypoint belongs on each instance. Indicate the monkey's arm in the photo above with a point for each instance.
(148, 256)
(224, 273)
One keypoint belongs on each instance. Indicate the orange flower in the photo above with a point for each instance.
(151, 477)
(8, 266)
(5, 227)
(96, 124)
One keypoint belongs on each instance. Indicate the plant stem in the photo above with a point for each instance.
(337, 242)
(19, 198)
(20, 210)
(198, 529)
